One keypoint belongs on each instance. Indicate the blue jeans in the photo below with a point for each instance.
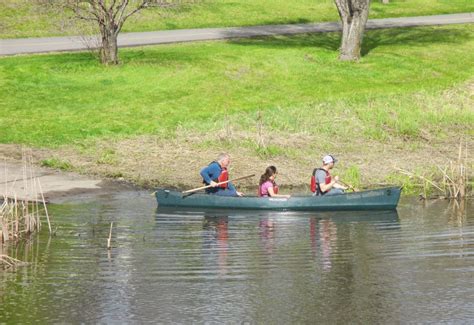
(335, 191)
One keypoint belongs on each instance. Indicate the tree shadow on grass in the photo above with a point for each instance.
(182, 54)
(328, 41)
(415, 36)
(419, 36)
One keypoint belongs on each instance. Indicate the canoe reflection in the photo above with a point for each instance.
(234, 215)
(266, 237)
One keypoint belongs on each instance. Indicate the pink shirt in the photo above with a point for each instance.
(264, 188)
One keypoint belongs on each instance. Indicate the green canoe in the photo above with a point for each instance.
(379, 199)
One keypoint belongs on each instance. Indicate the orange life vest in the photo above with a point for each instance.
(315, 188)
(275, 188)
(223, 177)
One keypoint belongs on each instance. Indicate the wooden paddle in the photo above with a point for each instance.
(208, 186)
(347, 185)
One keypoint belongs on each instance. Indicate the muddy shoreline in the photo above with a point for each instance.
(148, 162)
(57, 186)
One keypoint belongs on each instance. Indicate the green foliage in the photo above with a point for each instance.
(405, 181)
(114, 174)
(352, 176)
(270, 151)
(420, 183)
(56, 163)
(108, 157)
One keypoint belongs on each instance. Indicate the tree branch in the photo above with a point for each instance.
(143, 5)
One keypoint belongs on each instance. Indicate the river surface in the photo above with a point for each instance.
(411, 266)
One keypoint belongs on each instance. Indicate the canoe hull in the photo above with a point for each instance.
(379, 199)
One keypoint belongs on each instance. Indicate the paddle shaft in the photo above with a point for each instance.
(347, 185)
(221, 183)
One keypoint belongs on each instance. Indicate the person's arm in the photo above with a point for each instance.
(321, 178)
(338, 185)
(207, 173)
(272, 193)
(332, 184)
(328, 187)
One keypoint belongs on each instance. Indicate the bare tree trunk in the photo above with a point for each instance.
(385, 2)
(110, 15)
(109, 49)
(353, 14)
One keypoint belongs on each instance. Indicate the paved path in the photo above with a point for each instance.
(76, 43)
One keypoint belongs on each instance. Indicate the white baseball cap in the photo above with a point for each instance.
(329, 159)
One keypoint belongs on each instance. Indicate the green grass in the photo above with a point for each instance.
(20, 18)
(297, 82)
(56, 164)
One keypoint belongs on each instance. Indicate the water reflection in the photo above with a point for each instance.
(215, 239)
(168, 266)
(323, 234)
(456, 212)
(267, 228)
(275, 230)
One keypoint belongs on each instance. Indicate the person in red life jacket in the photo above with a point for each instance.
(322, 183)
(267, 186)
(215, 173)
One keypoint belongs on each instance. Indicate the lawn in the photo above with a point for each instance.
(19, 18)
(296, 83)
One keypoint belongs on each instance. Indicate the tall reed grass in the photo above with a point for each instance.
(451, 181)
(20, 217)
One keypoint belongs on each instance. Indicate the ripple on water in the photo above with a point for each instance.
(413, 266)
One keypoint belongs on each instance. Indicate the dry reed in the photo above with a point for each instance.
(21, 216)
(109, 240)
(8, 261)
(453, 180)
(260, 131)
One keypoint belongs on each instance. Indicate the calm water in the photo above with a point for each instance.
(415, 265)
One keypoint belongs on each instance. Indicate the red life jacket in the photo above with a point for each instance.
(223, 177)
(315, 188)
(275, 189)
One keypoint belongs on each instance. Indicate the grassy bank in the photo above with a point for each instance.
(19, 18)
(174, 107)
(65, 98)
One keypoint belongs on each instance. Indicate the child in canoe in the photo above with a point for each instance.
(267, 186)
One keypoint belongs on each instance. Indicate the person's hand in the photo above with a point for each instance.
(240, 193)
(287, 196)
(213, 184)
(336, 179)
